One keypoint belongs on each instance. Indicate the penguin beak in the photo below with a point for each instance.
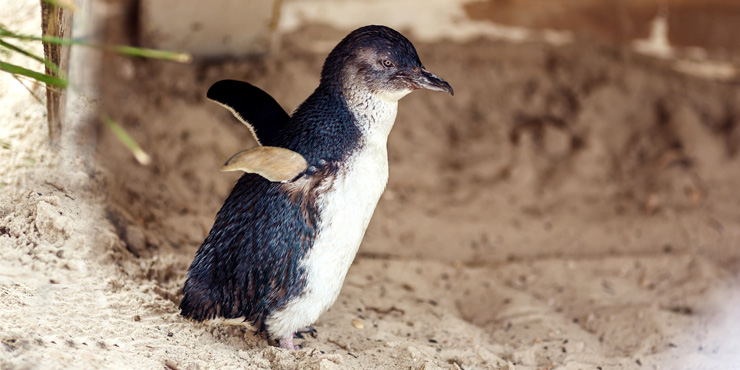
(424, 79)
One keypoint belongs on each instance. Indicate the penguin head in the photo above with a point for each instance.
(381, 61)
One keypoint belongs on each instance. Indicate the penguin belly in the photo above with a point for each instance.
(345, 212)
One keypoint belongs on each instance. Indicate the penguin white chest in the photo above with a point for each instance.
(345, 209)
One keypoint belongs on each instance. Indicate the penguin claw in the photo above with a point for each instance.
(307, 330)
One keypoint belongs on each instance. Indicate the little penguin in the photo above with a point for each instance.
(281, 245)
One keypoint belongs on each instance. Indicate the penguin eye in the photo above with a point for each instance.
(387, 63)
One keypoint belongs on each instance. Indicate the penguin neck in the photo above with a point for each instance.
(335, 122)
(373, 116)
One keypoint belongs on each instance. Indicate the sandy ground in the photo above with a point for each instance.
(571, 207)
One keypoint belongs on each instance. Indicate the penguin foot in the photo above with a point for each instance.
(287, 343)
(310, 330)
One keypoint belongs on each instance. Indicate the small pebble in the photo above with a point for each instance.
(358, 324)
(170, 364)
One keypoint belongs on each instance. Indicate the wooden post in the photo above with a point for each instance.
(57, 22)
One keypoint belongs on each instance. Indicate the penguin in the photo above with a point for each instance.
(282, 243)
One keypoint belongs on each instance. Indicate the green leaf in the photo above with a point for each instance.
(152, 53)
(128, 141)
(49, 64)
(42, 77)
(128, 50)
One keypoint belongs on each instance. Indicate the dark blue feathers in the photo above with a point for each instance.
(248, 264)
(322, 129)
(253, 106)
(382, 40)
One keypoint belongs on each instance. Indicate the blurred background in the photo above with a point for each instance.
(573, 206)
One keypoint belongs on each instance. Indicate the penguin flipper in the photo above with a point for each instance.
(273, 163)
(252, 106)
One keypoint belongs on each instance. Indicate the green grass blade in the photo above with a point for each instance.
(128, 50)
(152, 53)
(49, 64)
(42, 77)
(128, 141)
(44, 38)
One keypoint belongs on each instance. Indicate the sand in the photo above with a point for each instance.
(571, 207)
